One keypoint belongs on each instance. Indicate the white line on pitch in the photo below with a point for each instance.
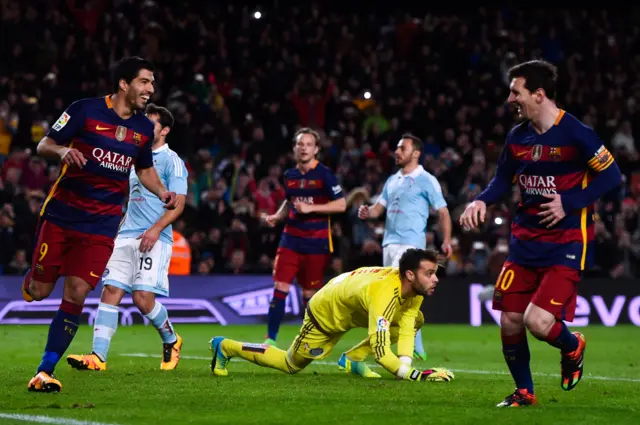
(471, 371)
(39, 419)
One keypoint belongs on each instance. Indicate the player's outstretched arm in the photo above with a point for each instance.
(151, 181)
(445, 219)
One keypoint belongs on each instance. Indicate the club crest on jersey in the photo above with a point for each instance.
(536, 152)
(121, 133)
(555, 153)
(137, 138)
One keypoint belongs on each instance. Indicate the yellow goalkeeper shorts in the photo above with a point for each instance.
(311, 342)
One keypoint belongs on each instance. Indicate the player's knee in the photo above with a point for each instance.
(76, 290)
(145, 301)
(39, 290)
(539, 322)
(512, 323)
(111, 295)
(282, 286)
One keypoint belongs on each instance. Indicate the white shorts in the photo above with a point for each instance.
(391, 254)
(131, 270)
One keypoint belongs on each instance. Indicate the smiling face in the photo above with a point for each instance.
(527, 103)
(139, 90)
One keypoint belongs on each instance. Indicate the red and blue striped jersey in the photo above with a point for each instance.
(90, 199)
(309, 233)
(564, 160)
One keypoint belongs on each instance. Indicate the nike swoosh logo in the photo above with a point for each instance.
(554, 302)
(92, 274)
(519, 154)
(102, 128)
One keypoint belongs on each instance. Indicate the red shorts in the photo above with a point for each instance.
(554, 289)
(307, 269)
(65, 252)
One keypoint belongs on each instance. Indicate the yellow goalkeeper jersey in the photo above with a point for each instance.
(369, 297)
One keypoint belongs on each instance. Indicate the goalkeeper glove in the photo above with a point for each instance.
(438, 374)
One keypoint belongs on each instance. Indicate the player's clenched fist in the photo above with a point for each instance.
(473, 215)
(70, 156)
(437, 374)
(363, 212)
(269, 220)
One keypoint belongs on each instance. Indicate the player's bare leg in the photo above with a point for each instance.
(223, 349)
(104, 327)
(516, 353)
(61, 332)
(544, 326)
(159, 318)
(276, 311)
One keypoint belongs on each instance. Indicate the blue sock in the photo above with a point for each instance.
(159, 318)
(560, 337)
(276, 313)
(104, 327)
(516, 352)
(61, 332)
(419, 347)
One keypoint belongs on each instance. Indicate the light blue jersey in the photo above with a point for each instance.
(145, 208)
(407, 199)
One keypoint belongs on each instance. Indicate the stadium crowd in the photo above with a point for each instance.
(239, 84)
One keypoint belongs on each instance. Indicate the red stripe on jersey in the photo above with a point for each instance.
(315, 234)
(559, 236)
(305, 218)
(543, 153)
(99, 182)
(85, 204)
(535, 209)
(119, 133)
(318, 199)
(305, 184)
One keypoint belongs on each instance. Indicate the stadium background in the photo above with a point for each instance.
(239, 87)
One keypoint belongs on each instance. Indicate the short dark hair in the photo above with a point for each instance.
(412, 258)
(128, 69)
(415, 141)
(307, 130)
(537, 74)
(166, 117)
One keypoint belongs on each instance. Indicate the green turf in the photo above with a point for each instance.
(135, 391)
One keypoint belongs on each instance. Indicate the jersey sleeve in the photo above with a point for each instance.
(382, 307)
(597, 156)
(176, 174)
(433, 192)
(145, 156)
(70, 123)
(406, 327)
(334, 190)
(383, 199)
(599, 161)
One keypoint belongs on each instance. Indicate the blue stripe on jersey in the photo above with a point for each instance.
(558, 168)
(305, 245)
(307, 192)
(546, 254)
(95, 168)
(87, 191)
(81, 221)
(533, 222)
(308, 225)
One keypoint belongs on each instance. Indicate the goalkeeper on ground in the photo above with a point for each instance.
(385, 300)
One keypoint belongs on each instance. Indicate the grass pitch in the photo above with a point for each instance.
(135, 392)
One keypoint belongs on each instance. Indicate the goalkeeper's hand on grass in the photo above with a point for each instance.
(438, 374)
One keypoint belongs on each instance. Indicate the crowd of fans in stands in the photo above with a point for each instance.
(239, 86)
